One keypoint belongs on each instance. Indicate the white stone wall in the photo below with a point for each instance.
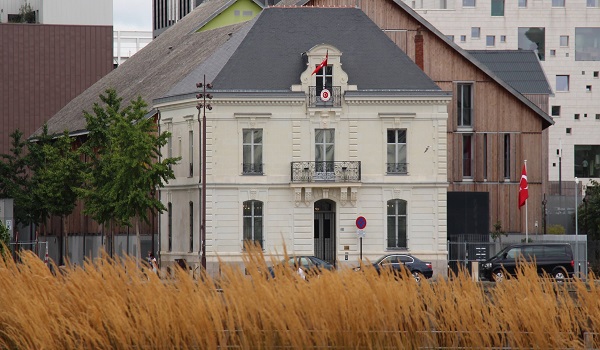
(557, 22)
(288, 126)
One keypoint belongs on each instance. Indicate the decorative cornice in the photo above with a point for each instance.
(370, 101)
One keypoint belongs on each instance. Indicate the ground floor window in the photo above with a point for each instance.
(396, 224)
(253, 222)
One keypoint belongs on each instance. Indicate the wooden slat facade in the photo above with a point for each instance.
(496, 112)
(43, 68)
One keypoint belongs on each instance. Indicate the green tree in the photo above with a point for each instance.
(59, 179)
(38, 211)
(589, 211)
(127, 164)
(4, 239)
(14, 178)
(498, 232)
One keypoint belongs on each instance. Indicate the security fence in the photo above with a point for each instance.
(465, 251)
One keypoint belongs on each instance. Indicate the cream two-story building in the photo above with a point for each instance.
(294, 156)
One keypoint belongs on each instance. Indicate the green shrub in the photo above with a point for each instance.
(556, 229)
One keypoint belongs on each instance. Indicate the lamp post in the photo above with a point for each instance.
(202, 106)
(576, 231)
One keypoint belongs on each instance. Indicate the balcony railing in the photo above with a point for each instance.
(397, 168)
(252, 168)
(342, 171)
(315, 100)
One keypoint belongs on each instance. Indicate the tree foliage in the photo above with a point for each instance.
(14, 179)
(126, 164)
(4, 238)
(589, 211)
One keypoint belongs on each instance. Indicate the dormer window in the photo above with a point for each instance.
(318, 80)
(324, 79)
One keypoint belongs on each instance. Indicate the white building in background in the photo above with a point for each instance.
(128, 42)
(64, 12)
(566, 35)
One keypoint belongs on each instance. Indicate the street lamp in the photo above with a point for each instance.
(576, 230)
(202, 106)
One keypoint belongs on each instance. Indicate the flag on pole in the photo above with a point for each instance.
(523, 188)
(323, 64)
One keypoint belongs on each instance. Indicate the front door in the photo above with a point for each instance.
(324, 230)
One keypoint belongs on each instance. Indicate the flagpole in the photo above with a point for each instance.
(526, 225)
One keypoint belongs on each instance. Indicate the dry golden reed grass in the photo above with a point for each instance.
(120, 305)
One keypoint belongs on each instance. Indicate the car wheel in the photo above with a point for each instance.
(559, 275)
(498, 276)
(417, 276)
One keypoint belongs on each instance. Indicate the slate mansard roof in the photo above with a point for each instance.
(266, 54)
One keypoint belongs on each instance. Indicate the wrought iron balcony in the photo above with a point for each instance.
(397, 168)
(315, 100)
(342, 171)
(252, 168)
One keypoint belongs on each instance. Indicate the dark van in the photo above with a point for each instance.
(555, 259)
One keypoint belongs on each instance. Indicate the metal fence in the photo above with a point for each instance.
(85, 247)
(468, 250)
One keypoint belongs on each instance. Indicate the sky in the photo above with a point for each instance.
(132, 15)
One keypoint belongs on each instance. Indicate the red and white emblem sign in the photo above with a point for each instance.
(325, 95)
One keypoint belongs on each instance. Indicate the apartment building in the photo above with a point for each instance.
(566, 36)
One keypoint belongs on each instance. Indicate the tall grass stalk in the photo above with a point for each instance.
(114, 304)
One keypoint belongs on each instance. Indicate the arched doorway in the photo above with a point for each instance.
(324, 230)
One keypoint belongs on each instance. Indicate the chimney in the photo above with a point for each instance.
(419, 60)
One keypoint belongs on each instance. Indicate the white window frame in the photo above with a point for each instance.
(396, 216)
(398, 151)
(250, 150)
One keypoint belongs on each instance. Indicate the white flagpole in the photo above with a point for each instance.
(526, 226)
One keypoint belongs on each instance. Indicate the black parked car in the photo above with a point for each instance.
(401, 263)
(555, 259)
(308, 263)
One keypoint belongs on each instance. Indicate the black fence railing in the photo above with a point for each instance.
(252, 168)
(397, 168)
(332, 99)
(326, 171)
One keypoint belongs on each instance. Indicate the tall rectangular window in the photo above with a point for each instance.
(464, 100)
(467, 165)
(252, 149)
(396, 151)
(497, 7)
(169, 227)
(564, 40)
(587, 44)
(191, 227)
(191, 152)
(562, 83)
(396, 224)
(533, 39)
(558, 3)
(485, 157)
(324, 154)
(253, 222)
(507, 156)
